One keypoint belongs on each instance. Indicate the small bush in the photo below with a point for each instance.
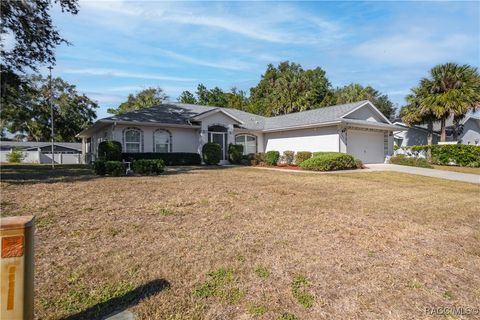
(302, 156)
(359, 163)
(259, 158)
(114, 168)
(99, 167)
(148, 166)
(248, 159)
(15, 156)
(288, 156)
(235, 153)
(110, 150)
(212, 153)
(272, 157)
(169, 159)
(412, 162)
(328, 161)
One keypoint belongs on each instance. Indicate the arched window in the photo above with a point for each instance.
(248, 141)
(133, 140)
(162, 141)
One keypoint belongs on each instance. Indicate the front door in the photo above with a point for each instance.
(221, 139)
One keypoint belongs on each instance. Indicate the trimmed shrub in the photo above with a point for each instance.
(272, 157)
(460, 154)
(212, 153)
(248, 159)
(302, 156)
(412, 162)
(259, 158)
(148, 166)
(114, 168)
(235, 153)
(288, 156)
(169, 159)
(99, 167)
(15, 156)
(328, 161)
(359, 163)
(110, 150)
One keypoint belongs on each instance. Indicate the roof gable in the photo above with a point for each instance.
(209, 113)
(368, 112)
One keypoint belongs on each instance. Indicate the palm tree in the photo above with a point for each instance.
(452, 90)
(415, 113)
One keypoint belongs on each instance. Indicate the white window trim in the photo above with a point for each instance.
(140, 143)
(245, 142)
(170, 143)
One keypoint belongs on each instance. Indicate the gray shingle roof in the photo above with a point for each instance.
(7, 145)
(314, 116)
(181, 114)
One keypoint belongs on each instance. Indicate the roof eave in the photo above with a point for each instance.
(305, 126)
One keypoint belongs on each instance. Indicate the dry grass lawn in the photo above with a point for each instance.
(243, 243)
(458, 169)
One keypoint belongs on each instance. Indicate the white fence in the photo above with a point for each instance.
(35, 156)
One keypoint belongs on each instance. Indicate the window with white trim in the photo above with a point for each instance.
(132, 140)
(248, 141)
(162, 141)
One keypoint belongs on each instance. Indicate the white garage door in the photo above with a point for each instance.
(367, 146)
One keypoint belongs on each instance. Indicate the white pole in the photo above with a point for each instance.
(51, 115)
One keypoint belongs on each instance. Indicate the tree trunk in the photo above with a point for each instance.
(443, 133)
(430, 132)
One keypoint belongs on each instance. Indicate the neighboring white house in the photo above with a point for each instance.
(41, 152)
(468, 132)
(356, 128)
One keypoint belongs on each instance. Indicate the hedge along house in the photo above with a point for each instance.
(356, 128)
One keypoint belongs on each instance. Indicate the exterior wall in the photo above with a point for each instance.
(314, 139)
(414, 137)
(365, 113)
(471, 132)
(183, 139)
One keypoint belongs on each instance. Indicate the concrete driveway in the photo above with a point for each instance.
(450, 175)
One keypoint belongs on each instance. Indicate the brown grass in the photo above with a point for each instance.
(235, 243)
(458, 169)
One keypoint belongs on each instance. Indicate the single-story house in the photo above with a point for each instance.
(41, 152)
(468, 132)
(359, 129)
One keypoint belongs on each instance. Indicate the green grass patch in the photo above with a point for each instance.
(257, 310)
(262, 272)
(287, 316)
(43, 222)
(166, 212)
(300, 292)
(221, 284)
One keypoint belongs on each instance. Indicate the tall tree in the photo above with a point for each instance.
(288, 88)
(29, 26)
(187, 97)
(146, 98)
(28, 112)
(413, 112)
(452, 90)
(356, 92)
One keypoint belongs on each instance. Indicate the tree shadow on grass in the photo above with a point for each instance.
(123, 302)
(34, 173)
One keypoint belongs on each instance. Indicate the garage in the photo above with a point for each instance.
(367, 146)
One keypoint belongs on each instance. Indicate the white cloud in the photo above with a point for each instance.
(415, 47)
(123, 74)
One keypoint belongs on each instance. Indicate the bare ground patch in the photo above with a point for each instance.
(243, 243)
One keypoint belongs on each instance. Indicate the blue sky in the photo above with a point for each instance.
(120, 47)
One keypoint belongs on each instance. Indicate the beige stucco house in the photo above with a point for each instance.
(356, 128)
